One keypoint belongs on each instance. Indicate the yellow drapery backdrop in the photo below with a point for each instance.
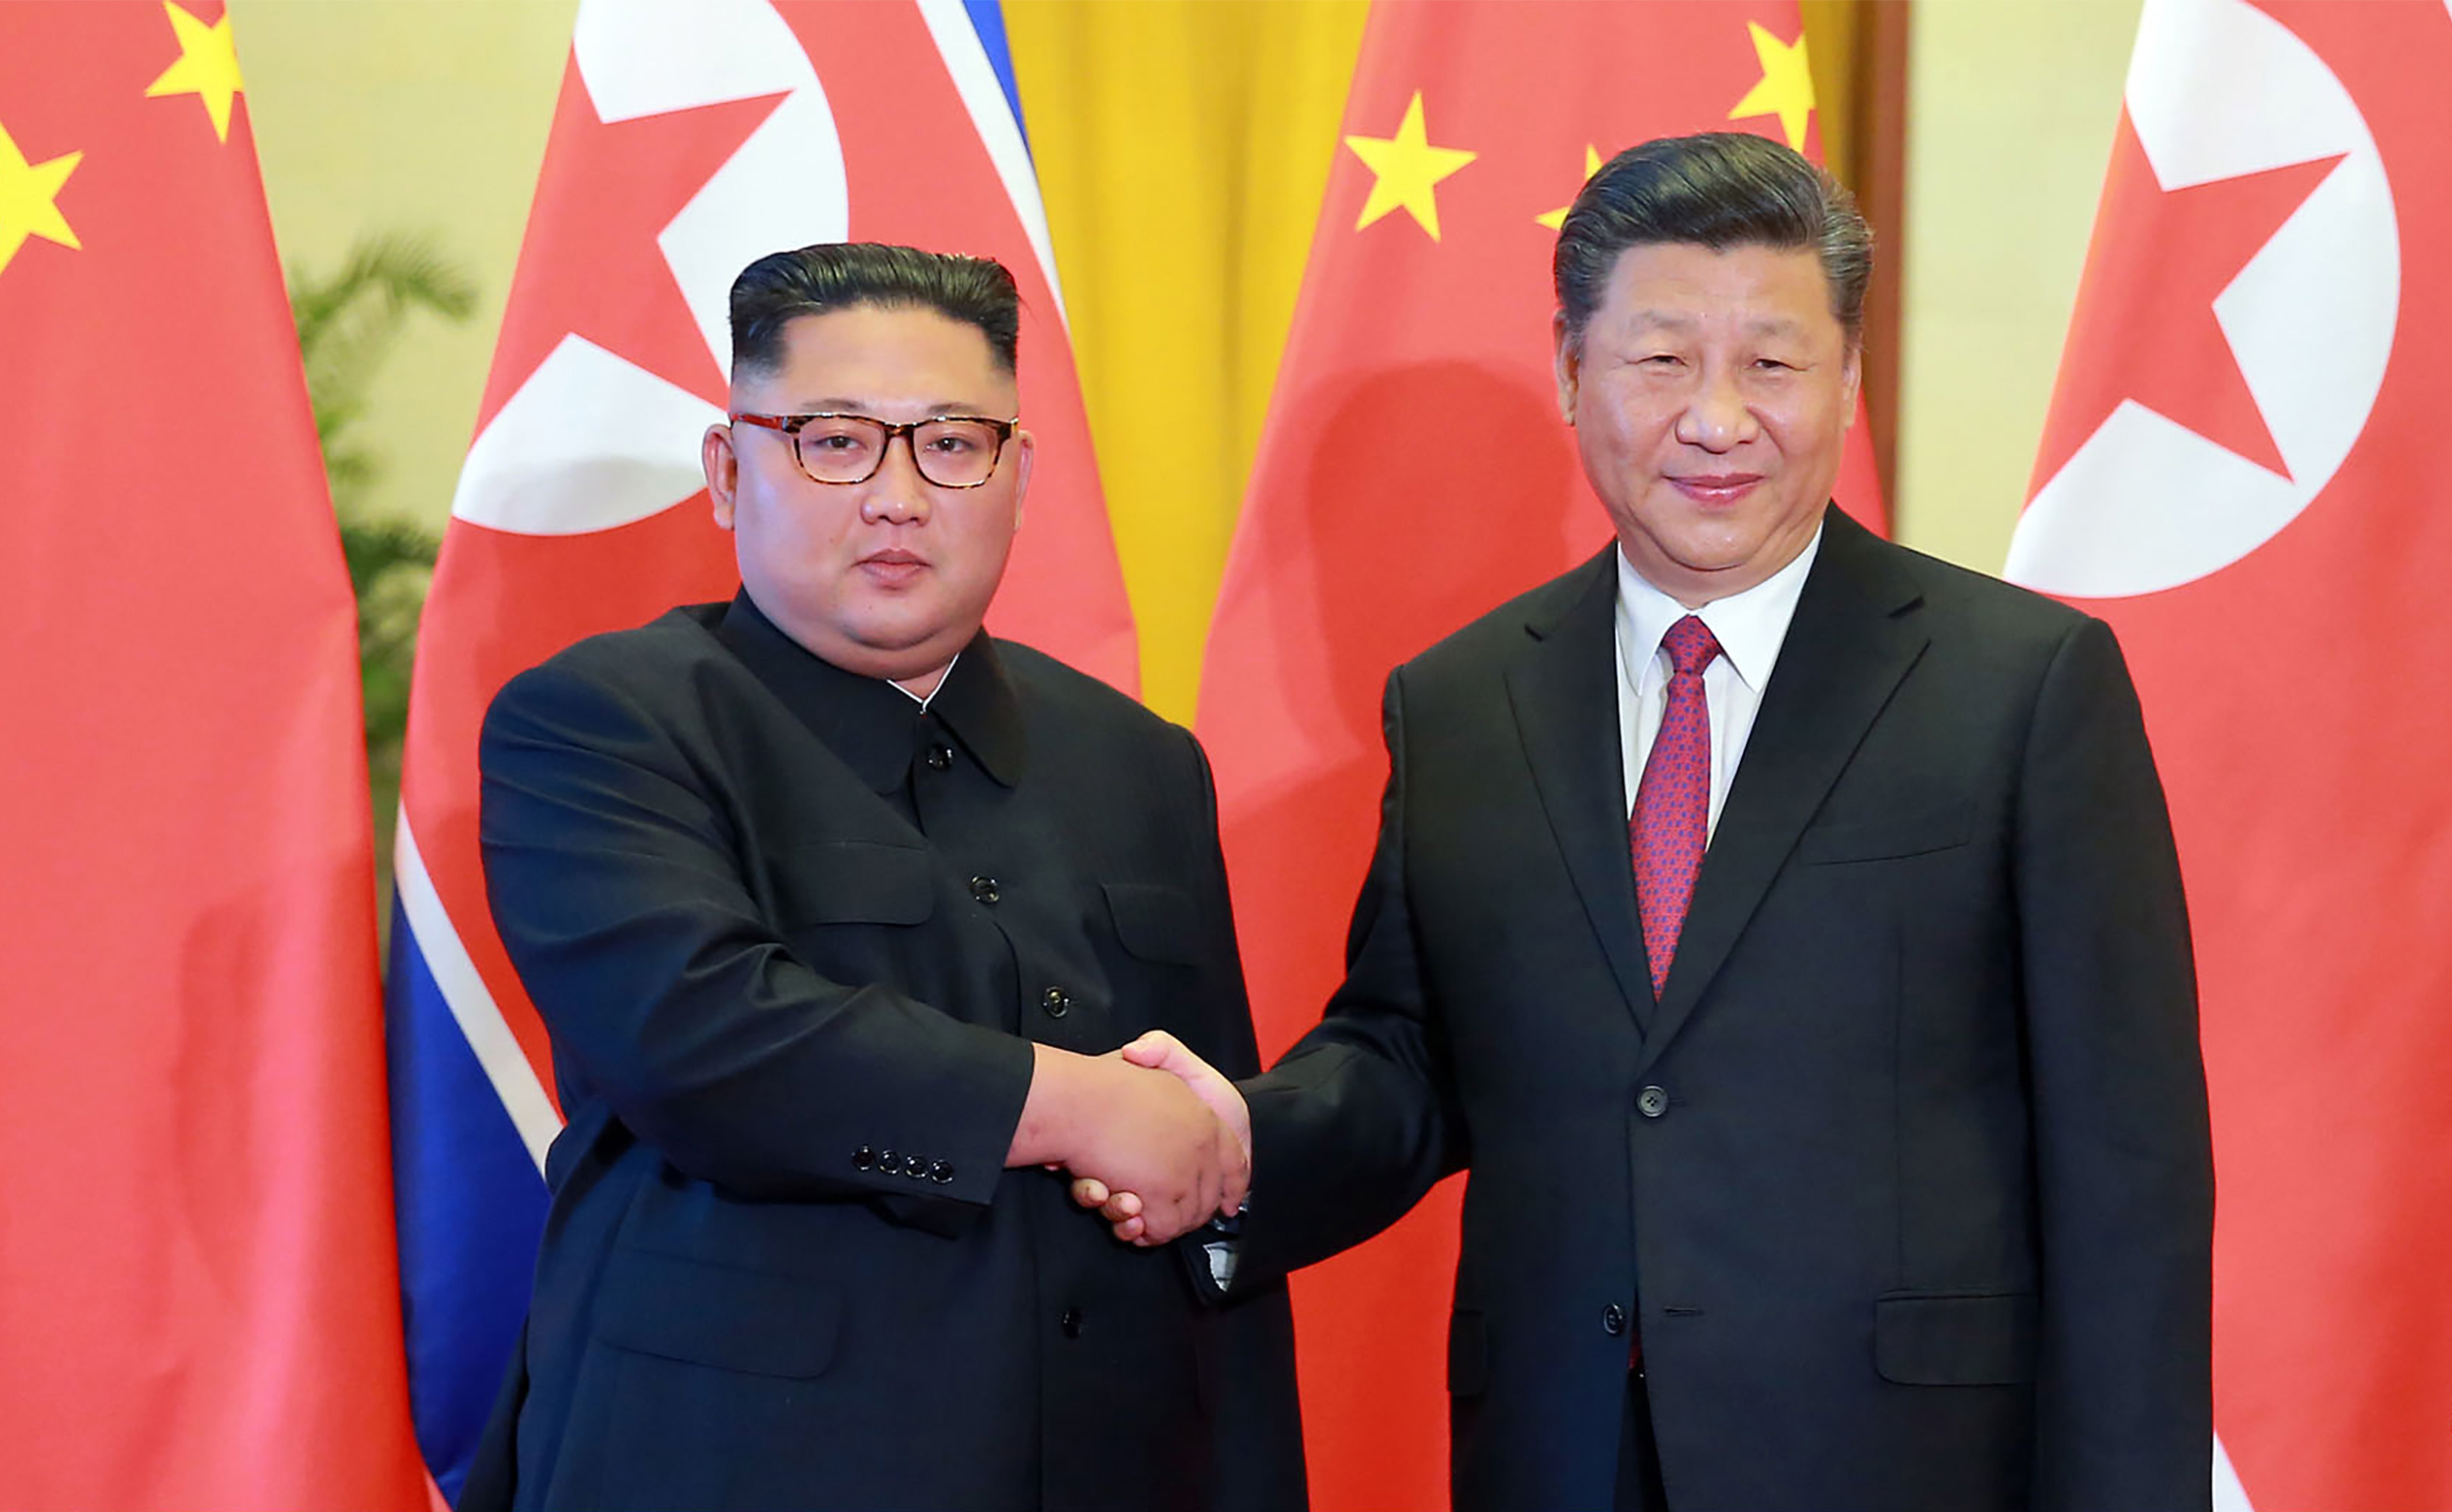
(1182, 147)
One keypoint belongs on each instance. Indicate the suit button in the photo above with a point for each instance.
(1055, 1002)
(941, 1173)
(1070, 1323)
(863, 1158)
(1652, 1101)
(1612, 1320)
(984, 888)
(889, 1162)
(939, 757)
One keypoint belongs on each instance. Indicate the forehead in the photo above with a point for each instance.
(1683, 283)
(885, 354)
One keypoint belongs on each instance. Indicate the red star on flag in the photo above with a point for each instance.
(2145, 310)
(590, 266)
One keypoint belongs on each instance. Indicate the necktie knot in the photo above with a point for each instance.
(1689, 645)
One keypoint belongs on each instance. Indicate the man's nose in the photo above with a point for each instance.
(1718, 418)
(896, 494)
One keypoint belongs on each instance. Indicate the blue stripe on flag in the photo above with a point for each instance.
(471, 1209)
(988, 19)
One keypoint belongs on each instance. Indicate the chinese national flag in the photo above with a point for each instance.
(198, 1305)
(2243, 472)
(1413, 473)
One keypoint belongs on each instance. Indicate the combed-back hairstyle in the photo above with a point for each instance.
(781, 286)
(1720, 190)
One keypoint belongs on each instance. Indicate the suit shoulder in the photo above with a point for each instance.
(1984, 601)
(1489, 639)
(1051, 689)
(641, 664)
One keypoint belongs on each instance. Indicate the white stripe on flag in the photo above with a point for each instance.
(472, 1006)
(983, 95)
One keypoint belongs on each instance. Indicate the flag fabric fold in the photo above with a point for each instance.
(686, 141)
(197, 1288)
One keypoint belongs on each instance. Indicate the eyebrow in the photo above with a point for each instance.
(839, 405)
(1643, 320)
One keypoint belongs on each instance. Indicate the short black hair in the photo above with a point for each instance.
(1719, 190)
(781, 286)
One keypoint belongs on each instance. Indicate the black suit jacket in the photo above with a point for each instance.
(793, 938)
(1905, 1181)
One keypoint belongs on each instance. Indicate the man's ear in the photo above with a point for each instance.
(1852, 376)
(1566, 364)
(1025, 451)
(723, 472)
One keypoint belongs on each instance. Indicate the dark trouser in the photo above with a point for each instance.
(1639, 1454)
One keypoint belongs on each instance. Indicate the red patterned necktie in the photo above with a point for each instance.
(1673, 805)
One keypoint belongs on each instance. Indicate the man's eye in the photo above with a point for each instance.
(836, 441)
(951, 445)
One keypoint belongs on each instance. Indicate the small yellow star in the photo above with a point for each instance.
(29, 198)
(1592, 165)
(207, 66)
(1406, 166)
(1787, 87)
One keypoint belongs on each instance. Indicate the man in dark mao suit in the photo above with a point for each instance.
(1785, 930)
(831, 904)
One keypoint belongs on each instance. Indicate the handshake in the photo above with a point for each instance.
(1156, 1140)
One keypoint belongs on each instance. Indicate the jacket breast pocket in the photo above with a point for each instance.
(1154, 923)
(1956, 1339)
(753, 1322)
(1917, 833)
(857, 882)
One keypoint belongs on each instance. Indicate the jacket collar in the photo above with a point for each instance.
(874, 727)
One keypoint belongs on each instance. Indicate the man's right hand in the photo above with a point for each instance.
(1133, 1129)
(1123, 1207)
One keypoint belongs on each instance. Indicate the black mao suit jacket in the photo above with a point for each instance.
(1904, 1182)
(792, 938)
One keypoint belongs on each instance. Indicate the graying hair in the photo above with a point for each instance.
(1720, 190)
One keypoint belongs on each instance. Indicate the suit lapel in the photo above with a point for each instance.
(1850, 643)
(1563, 693)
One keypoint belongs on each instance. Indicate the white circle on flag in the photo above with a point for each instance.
(2218, 89)
(592, 441)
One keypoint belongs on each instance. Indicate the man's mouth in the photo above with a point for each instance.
(1716, 488)
(893, 565)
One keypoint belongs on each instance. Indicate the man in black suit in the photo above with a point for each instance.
(831, 904)
(1785, 931)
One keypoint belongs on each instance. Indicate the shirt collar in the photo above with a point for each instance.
(1749, 625)
(875, 727)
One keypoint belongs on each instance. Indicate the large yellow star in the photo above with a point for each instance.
(1787, 87)
(1592, 165)
(29, 198)
(1406, 166)
(207, 66)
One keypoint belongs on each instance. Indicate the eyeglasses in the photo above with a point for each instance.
(951, 451)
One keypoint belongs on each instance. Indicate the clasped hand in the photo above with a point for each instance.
(1154, 1138)
(1135, 1216)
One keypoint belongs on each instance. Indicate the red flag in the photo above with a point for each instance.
(688, 140)
(1413, 473)
(198, 1299)
(2240, 472)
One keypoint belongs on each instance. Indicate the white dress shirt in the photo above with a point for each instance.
(1749, 627)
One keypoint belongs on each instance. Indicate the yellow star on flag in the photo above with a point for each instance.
(207, 66)
(1787, 87)
(29, 198)
(1592, 165)
(1408, 166)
